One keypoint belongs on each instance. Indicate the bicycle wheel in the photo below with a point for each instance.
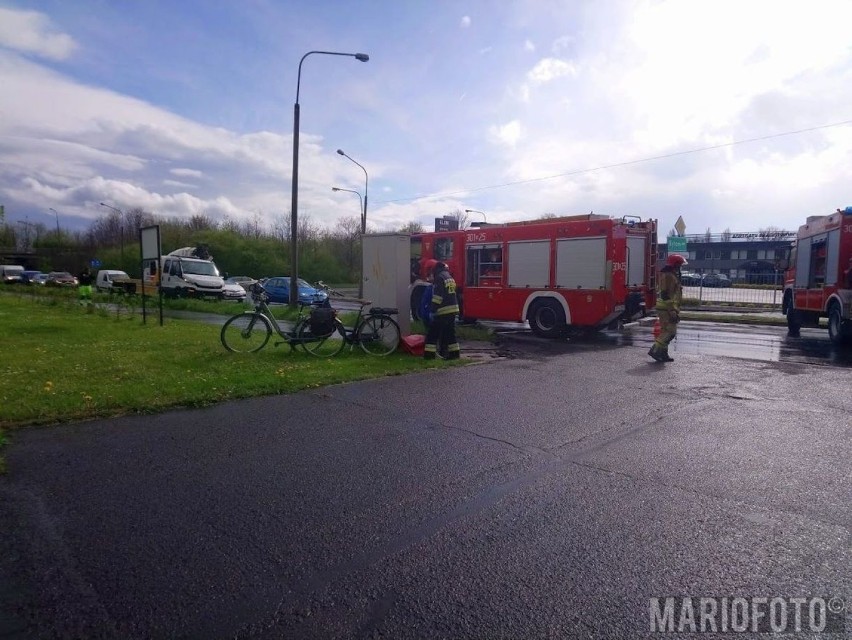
(378, 335)
(322, 346)
(246, 332)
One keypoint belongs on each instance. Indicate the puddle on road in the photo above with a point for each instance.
(761, 343)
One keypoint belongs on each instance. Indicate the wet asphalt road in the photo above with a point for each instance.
(549, 494)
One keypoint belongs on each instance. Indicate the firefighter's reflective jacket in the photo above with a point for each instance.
(444, 298)
(671, 290)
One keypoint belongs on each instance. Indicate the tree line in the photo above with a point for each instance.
(246, 247)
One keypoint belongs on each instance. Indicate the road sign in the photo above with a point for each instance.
(676, 244)
(447, 223)
(680, 226)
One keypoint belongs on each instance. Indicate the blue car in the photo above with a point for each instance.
(278, 290)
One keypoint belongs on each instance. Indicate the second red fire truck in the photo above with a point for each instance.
(818, 282)
(559, 274)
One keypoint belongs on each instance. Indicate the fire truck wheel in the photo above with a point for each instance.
(838, 328)
(794, 321)
(547, 319)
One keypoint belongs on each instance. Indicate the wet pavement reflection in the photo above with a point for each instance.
(764, 343)
(750, 342)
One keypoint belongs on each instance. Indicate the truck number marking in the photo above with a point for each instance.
(619, 266)
(476, 237)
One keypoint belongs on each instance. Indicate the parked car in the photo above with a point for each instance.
(244, 281)
(40, 279)
(690, 279)
(61, 279)
(278, 290)
(27, 277)
(106, 277)
(715, 280)
(233, 291)
(11, 273)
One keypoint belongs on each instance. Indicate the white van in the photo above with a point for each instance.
(11, 273)
(184, 276)
(106, 278)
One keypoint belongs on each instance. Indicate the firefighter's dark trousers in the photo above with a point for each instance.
(443, 330)
(668, 329)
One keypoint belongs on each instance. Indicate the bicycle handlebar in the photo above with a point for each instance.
(322, 285)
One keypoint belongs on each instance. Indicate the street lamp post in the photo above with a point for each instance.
(484, 219)
(57, 225)
(120, 227)
(360, 210)
(360, 199)
(363, 216)
(294, 256)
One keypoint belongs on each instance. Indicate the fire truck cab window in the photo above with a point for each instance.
(443, 249)
(484, 266)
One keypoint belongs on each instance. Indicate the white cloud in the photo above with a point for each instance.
(667, 77)
(32, 32)
(623, 81)
(186, 173)
(507, 134)
(102, 146)
(549, 69)
(177, 184)
(562, 44)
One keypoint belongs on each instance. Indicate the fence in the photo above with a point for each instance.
(763, 296)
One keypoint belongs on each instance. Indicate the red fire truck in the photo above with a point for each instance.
(560, 274)
(818, 282)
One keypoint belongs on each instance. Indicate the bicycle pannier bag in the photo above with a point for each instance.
(322, 321)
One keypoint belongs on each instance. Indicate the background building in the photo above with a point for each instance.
(746, 258)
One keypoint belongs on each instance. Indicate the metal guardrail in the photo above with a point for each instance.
(768, 297)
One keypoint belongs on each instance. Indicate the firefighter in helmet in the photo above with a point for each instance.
(668, 307)
(444, 308)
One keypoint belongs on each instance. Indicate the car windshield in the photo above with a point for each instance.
(284, 281)
(199, 268)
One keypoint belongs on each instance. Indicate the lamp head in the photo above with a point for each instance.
(340, 151)
(335, 189)
(363, 57)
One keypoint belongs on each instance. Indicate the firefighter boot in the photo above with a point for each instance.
(663, 355)
(654, 352)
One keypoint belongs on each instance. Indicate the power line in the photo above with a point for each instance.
(620, 164)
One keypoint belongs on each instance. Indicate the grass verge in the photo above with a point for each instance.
(63, 362)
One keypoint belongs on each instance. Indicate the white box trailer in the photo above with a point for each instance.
(386, 273)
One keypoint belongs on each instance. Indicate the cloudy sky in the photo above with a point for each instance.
(734, 114)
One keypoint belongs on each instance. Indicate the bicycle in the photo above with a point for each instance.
(249, 331)
(376, 332)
